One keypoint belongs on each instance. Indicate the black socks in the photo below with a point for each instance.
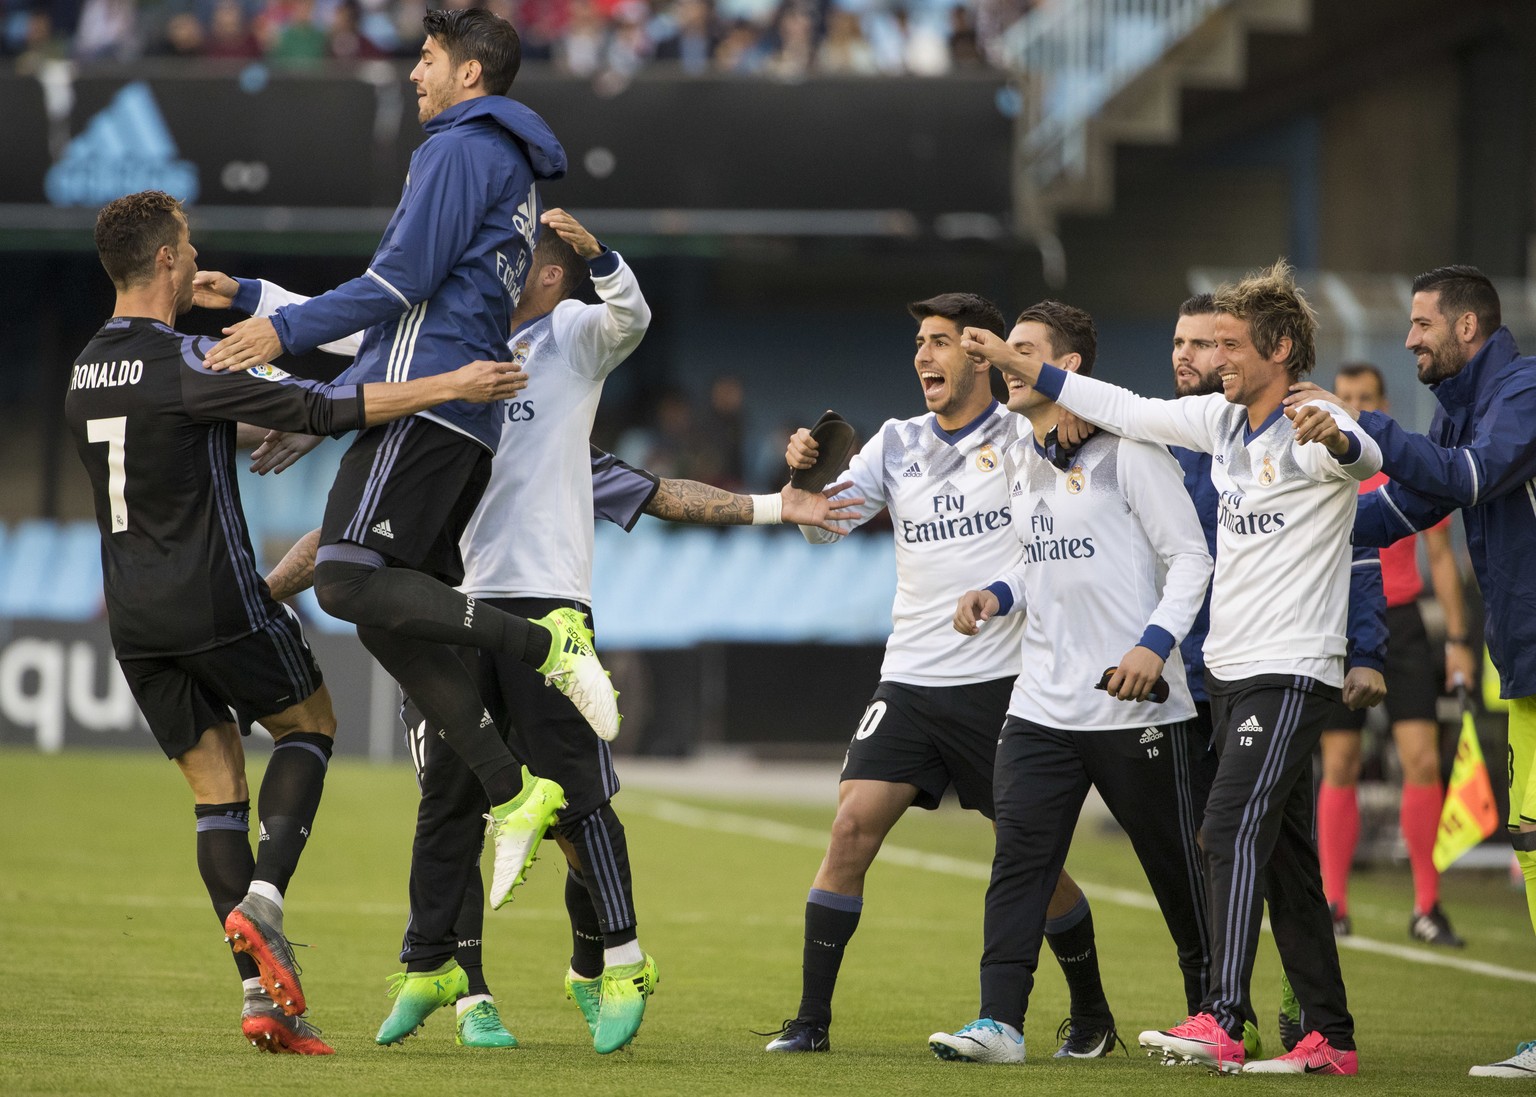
(225, 863)
(830, 920)
(1071, 939)
(286, 805)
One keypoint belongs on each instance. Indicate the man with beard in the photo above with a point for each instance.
(934, 718)
(1480, 457)
(1195, 374)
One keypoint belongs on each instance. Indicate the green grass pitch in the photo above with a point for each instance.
(114, 978)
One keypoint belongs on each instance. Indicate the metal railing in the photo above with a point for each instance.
(1073, 56)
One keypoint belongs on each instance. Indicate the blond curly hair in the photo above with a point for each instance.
(1274, 308)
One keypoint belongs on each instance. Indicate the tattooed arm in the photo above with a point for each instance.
(699, 504)
(295, 573)
(693, 503)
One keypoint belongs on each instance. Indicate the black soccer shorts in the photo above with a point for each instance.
(1413, 673)
(406, 490)
(182, 696)
(932, 737)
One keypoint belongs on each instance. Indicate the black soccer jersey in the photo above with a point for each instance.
(156, 432)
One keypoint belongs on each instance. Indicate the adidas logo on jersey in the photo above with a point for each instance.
(913, 470)
(1250, 726)
(383, 530)
(1151, 735)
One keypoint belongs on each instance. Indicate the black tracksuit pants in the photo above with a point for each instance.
(1150, 778)
(1260, 841)
(544, 731)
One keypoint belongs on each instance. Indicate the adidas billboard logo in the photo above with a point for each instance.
(1250, 726)
(383, 530)
(913, 470)
(125, 148)
(1151, 735)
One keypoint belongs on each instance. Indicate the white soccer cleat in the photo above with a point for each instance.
(1522, 1064)
(516, 828)
(983, 1041)
(574, 669)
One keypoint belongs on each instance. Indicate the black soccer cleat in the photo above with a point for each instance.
(1434, 928)
(1087, 1039)
(799, 1034)
(1291, 1031)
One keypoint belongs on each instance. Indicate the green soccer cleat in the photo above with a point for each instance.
(480, 1026)
(1290, 1018)
(1253, 1046)
(573, 668)
(417, 994)
(588, 996)
(516, 828)
(625, 989)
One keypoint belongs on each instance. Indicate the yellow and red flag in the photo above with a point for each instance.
(1470, 813)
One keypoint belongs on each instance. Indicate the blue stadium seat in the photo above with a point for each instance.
(75, 590)
(28, 568)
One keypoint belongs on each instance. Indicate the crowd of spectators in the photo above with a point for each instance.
(785, 39)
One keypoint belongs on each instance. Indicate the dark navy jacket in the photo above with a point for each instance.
(1479, 456)
(443, 283)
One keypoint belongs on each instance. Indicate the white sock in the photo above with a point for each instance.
(470, 1001)
(623, 954)
(267, 891)
(577, 977)
(252, 985)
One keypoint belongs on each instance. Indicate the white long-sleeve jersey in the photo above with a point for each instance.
(1280, 593)
(1113, 556)
(953, 524)
(531, 536)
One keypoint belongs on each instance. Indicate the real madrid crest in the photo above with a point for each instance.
(1267, 473)
(986, 458)
(520, 353)
(1076, 480)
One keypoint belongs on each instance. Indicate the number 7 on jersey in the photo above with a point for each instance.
(114, 432)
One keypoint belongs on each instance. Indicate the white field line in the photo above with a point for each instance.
(722, 822)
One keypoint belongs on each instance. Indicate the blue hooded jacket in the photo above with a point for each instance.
(1479, 456)
(443, 283)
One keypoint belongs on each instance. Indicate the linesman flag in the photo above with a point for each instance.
(1470, 813)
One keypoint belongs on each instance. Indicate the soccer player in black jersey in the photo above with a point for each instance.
(195, 629)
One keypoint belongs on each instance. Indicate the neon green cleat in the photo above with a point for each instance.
(480, 1026)
(1253, 1047)
(1290, 1016)
(625, 989)
(588, 996)
(573, 668)
(417, 994)
(516, 828)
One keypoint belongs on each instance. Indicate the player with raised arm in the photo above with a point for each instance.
(1274, 654)
(193, 626)
(444, 281)
(528, 549)
(934, 717)
(1194, 374)
(1479, 457)
(1112, 571)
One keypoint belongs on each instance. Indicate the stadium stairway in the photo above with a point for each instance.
(1096, 73)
